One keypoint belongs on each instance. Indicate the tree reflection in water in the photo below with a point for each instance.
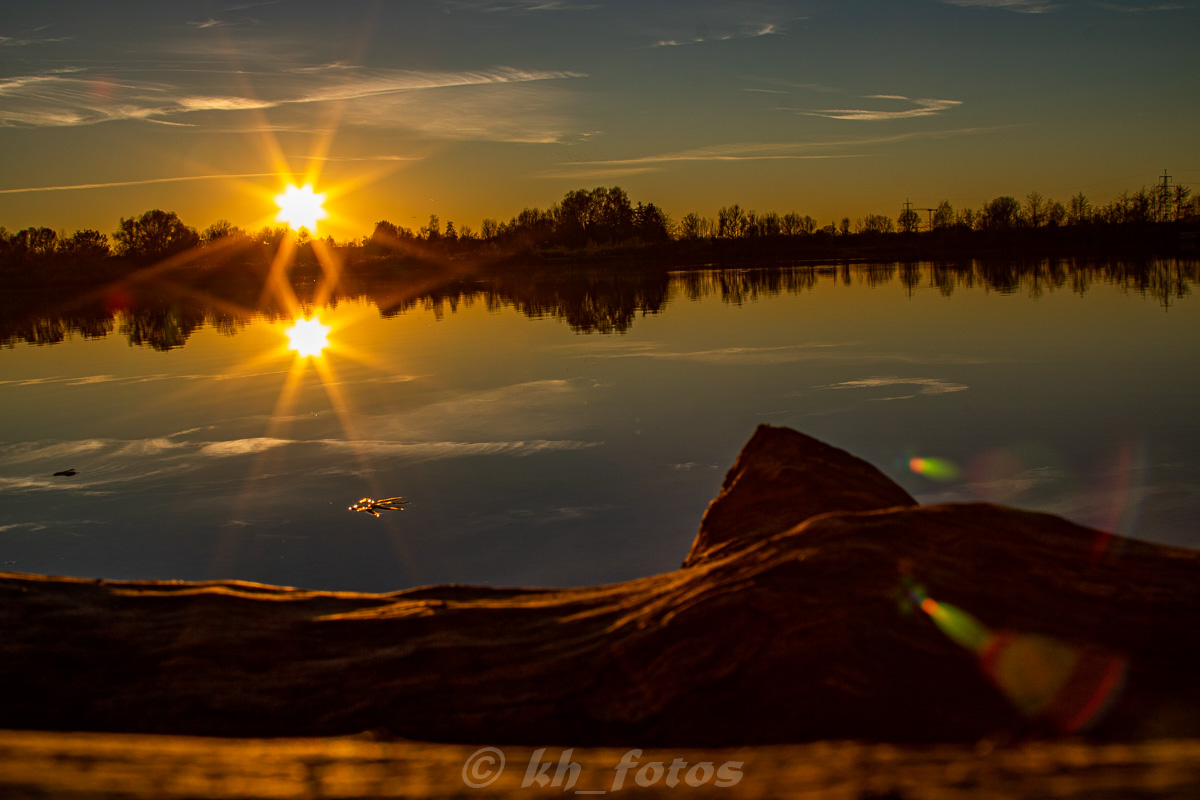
(602, 300)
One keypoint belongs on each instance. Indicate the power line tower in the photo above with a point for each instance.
(1164, 197)
(930, 210)
(906, 217)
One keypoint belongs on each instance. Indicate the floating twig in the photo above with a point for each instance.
(373, 507)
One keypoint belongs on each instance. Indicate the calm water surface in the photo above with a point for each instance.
(534, 453)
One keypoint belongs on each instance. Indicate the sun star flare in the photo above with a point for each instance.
(300, 207)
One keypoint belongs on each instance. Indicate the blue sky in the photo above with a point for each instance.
(478, 108)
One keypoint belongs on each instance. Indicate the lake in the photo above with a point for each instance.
(568, 427)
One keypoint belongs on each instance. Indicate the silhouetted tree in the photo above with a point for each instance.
(433, 231)
(1034, 211)
(909, 221)
(1079, 211)
(221, 229)
(874, 223)
(616, 215)
(155, 234)
(1056, 214)
(694, 226)
(731, 222)
(651, 223)
(271, 237)
(1003, 213)
(1179, 200)
(37, 243)
(943, 215)
(85, 245)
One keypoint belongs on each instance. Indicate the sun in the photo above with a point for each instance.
(308, 337)
(300, 207)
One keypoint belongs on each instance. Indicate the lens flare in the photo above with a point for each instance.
(300, 207)
(938, 469)
(1066, 685)
(308, 337)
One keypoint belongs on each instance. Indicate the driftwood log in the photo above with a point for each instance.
(785, 624)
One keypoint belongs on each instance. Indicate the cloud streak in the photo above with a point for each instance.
(143, 182)
(381, 97)
(928, 386)
(1019, 6)
(921, 107)
(493, 6)
(752, 32)
(753, 151)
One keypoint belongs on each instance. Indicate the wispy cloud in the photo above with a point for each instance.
(753, 151)
(921, 107)
(927, 386)
(584, 172)
(143, 182)
(31, 38)
(1020, 6)
(1135, 8)
(85, 380)
(497, 109)
(208, 23)
(427, 451)
(241, 447)
(104, 464)
(782, 354)
(749, 32)
(247, 6)
(492, 6)
(359, 158)
(740, 151)
(34, 526)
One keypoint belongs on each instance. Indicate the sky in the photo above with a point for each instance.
(479, 108)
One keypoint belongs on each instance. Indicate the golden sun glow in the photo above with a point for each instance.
(300, 207)
(308, 337)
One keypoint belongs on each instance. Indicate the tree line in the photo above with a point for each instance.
(599, 218)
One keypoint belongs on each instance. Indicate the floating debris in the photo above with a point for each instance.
(67, 473)
(373, 507)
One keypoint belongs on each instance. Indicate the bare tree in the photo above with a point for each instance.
(875, 223)
(943, 215)
(731, 222)
(693, 226)
(1034, 212)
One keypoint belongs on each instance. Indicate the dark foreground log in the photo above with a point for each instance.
(807, 611)
(73, 766)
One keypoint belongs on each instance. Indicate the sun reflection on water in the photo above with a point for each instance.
(308, 337)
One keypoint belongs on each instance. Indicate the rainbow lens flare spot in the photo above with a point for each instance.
(938, 469)
(1069, 686)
